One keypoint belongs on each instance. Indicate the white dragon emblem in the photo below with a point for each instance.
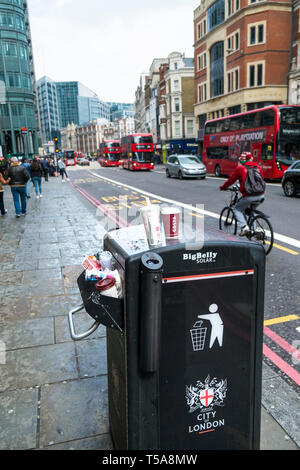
(206, 395)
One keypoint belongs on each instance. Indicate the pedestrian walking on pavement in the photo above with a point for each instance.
(62, 170)
(3, 182)
(36, 171)
(26, 165)
(45, 166)
(18, 180)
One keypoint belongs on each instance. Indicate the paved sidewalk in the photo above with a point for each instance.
(53, 392)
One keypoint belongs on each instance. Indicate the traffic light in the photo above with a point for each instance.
(56, 144)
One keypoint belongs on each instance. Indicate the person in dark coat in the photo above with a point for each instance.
(18, 180)
(36, 171)
(45, 166)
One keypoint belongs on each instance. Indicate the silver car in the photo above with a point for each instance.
(185, 166)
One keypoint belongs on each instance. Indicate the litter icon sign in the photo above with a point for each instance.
(199, 333)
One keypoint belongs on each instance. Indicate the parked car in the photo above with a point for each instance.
(185, 166)
(83, 161)
(291, 180)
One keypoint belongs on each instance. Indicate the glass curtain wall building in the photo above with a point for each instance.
(18, 105)
(48, 108)
(78, 104)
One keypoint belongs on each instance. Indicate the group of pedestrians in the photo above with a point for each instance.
(18, 177)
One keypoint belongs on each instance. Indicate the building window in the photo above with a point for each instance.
(202, 93)
(13, 80)
(201, 29)
(217, 69)
(216, 14)
(256, 34)
(256, 74)
(177, 128)
(176, 85)
(233, 42)
(233, 80)
(177, 105)
(202, 61)
(10, 49)
(6, 19)
(190, 127)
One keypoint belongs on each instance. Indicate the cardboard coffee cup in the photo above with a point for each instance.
(171, 221)
(151, 219)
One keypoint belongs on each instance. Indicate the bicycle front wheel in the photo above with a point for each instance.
(262, 232)
(227, 221)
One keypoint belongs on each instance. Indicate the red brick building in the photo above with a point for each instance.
(242, 56)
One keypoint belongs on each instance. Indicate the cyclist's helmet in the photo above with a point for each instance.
(245, 156)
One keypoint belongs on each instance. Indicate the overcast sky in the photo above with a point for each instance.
(107, 44)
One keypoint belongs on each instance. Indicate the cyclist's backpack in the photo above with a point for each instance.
(254, 183)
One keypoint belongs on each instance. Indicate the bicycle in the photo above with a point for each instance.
(261, 230)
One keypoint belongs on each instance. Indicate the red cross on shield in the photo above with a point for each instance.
(207, 396)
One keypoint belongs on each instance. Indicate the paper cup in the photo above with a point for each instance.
(151, 220)
(171, 221)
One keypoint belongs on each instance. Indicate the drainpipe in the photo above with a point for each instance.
(291, 51)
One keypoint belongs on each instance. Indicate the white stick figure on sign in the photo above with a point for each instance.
(217, 328)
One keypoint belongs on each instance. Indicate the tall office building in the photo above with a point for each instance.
(18, 107)
(78, 104)
(120, 110)
(48, 108)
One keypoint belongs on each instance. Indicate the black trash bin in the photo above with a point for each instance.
(184, 345)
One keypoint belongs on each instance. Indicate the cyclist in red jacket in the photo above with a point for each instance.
(247, 200)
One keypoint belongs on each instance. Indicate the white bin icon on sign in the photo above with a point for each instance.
(198, 335)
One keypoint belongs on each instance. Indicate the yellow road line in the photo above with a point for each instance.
(197, 215)
(283, 248)
(287, 318)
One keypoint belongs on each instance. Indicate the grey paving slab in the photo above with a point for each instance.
(73, 410)
(82, 322)
(91, 355)
(276, 398)
(49, 263)
(50, 306)
(102, 442)
(18, 419)
(40, 275)
(8, 278)
(36, 366)
(273, 437)
(12, 308)
(29, 333)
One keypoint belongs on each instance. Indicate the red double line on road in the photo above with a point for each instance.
(273, 357)
(280, 363)
(116, 218)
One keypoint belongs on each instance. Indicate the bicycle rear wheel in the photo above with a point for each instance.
(227, 221)
(262, 232)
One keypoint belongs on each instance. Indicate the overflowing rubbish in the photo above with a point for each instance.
(100, 269)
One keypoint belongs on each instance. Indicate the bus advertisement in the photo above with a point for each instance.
(137, 152)
(70, 157)
(110, 153)
(271, 134)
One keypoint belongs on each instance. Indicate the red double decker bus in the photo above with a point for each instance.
(271, 134)
(70, 157)
(109, 153)
(137, 152)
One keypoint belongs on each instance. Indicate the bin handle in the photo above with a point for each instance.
(80, 336)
